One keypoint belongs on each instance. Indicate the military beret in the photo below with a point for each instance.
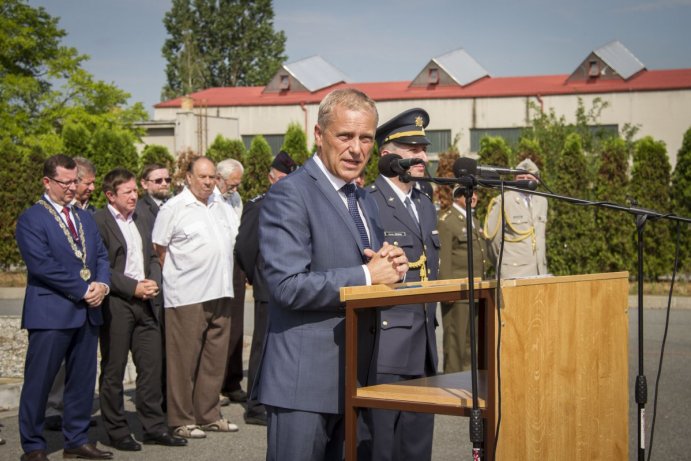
(406, 128)
(529, 166)
(283, 163)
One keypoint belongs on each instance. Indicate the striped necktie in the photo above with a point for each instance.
(70, 225)
(349, 191)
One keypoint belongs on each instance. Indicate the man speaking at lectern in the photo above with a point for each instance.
(318, 232)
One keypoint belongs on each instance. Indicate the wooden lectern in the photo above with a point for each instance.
(563, 365)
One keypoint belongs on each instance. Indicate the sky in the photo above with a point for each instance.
(379, 41)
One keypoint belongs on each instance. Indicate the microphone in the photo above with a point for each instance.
(394, 165)
(467, 166)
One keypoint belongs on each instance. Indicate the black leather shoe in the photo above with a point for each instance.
(237, 396)
(53, 423)
(164, 438)
(258, 419)
(36, 455)
(126, 444)
(86, 451)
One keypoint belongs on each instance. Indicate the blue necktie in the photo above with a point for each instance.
(349, 191)
(409, 206)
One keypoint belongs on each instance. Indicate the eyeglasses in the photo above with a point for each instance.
(160, 180)
(65, 184)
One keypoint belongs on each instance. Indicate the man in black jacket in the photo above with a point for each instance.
(248, 257)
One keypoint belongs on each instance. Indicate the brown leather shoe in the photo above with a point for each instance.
(86, 451)
(36, 455)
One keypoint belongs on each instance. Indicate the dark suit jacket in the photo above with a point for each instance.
(54, 289)
(311, 248)
(147, 209)
(247, 248)
(123, 287)
(407, 341)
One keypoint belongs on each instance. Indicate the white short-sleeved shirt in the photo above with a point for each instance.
(199, 240)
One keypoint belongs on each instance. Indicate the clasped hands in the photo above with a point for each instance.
(388, 265)
(146, 289)
(95, 294)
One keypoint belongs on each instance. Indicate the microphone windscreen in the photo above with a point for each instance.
(385, 167)
(464, 166)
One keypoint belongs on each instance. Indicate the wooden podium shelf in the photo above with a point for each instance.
(564, 365)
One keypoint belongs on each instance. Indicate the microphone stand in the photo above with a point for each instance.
(642, 215)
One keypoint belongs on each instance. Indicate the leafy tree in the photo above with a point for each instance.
(570, 227)
(493, 151)
(50, 104)
(611, 240)
(295, 143)
(154, 153)
(372, 168)
(111, 148)
(223, 148)
(257, 163)
(681, 195)
(180, 171)
(650, 188)
(220, 43)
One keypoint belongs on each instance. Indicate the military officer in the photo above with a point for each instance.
(406, 342)
(525, 218)
(453, 234)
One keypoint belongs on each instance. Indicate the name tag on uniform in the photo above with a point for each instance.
(394, 234)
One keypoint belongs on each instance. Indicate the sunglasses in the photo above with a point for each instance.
(160, 180)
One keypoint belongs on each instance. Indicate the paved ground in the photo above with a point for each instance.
(672, 436)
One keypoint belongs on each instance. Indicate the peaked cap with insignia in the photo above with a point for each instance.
(406, 128)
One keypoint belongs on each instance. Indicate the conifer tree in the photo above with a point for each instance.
(569, 226)
(611, 240)
(493, 151)
(650, 188)
(155, 153)
(257, 163)
(681, 196)
(295, 143)
(223, 148)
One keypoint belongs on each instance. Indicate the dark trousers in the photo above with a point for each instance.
(46, 351)
(395, 435)
(303, 435)
(131, 326)
(258, 336)
(234, 370)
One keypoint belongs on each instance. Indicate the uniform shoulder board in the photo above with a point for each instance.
(257, 198)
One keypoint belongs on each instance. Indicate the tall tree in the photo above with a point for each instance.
(681, 196)
(223, 148)
(650, 187)
(295, 143)
(257, 163)
(570, 227)
(611, 241)
(494, 150)
(154, 153)
(215, 43)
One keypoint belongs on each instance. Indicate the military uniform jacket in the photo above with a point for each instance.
(406, 337)
(453, 235)
(524, 246)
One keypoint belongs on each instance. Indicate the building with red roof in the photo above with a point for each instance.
(463, 100)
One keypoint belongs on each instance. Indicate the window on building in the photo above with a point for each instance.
(274, 140)
(441, 140)
(510, 135)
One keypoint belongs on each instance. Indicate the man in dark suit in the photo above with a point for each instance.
(131, 318)
(155, 182)
(317, 233)
(68, 278)
(249, 259)
(406, 342)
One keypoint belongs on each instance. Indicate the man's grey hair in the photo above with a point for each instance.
(349, 98)
(227, 167)
(84, 166)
